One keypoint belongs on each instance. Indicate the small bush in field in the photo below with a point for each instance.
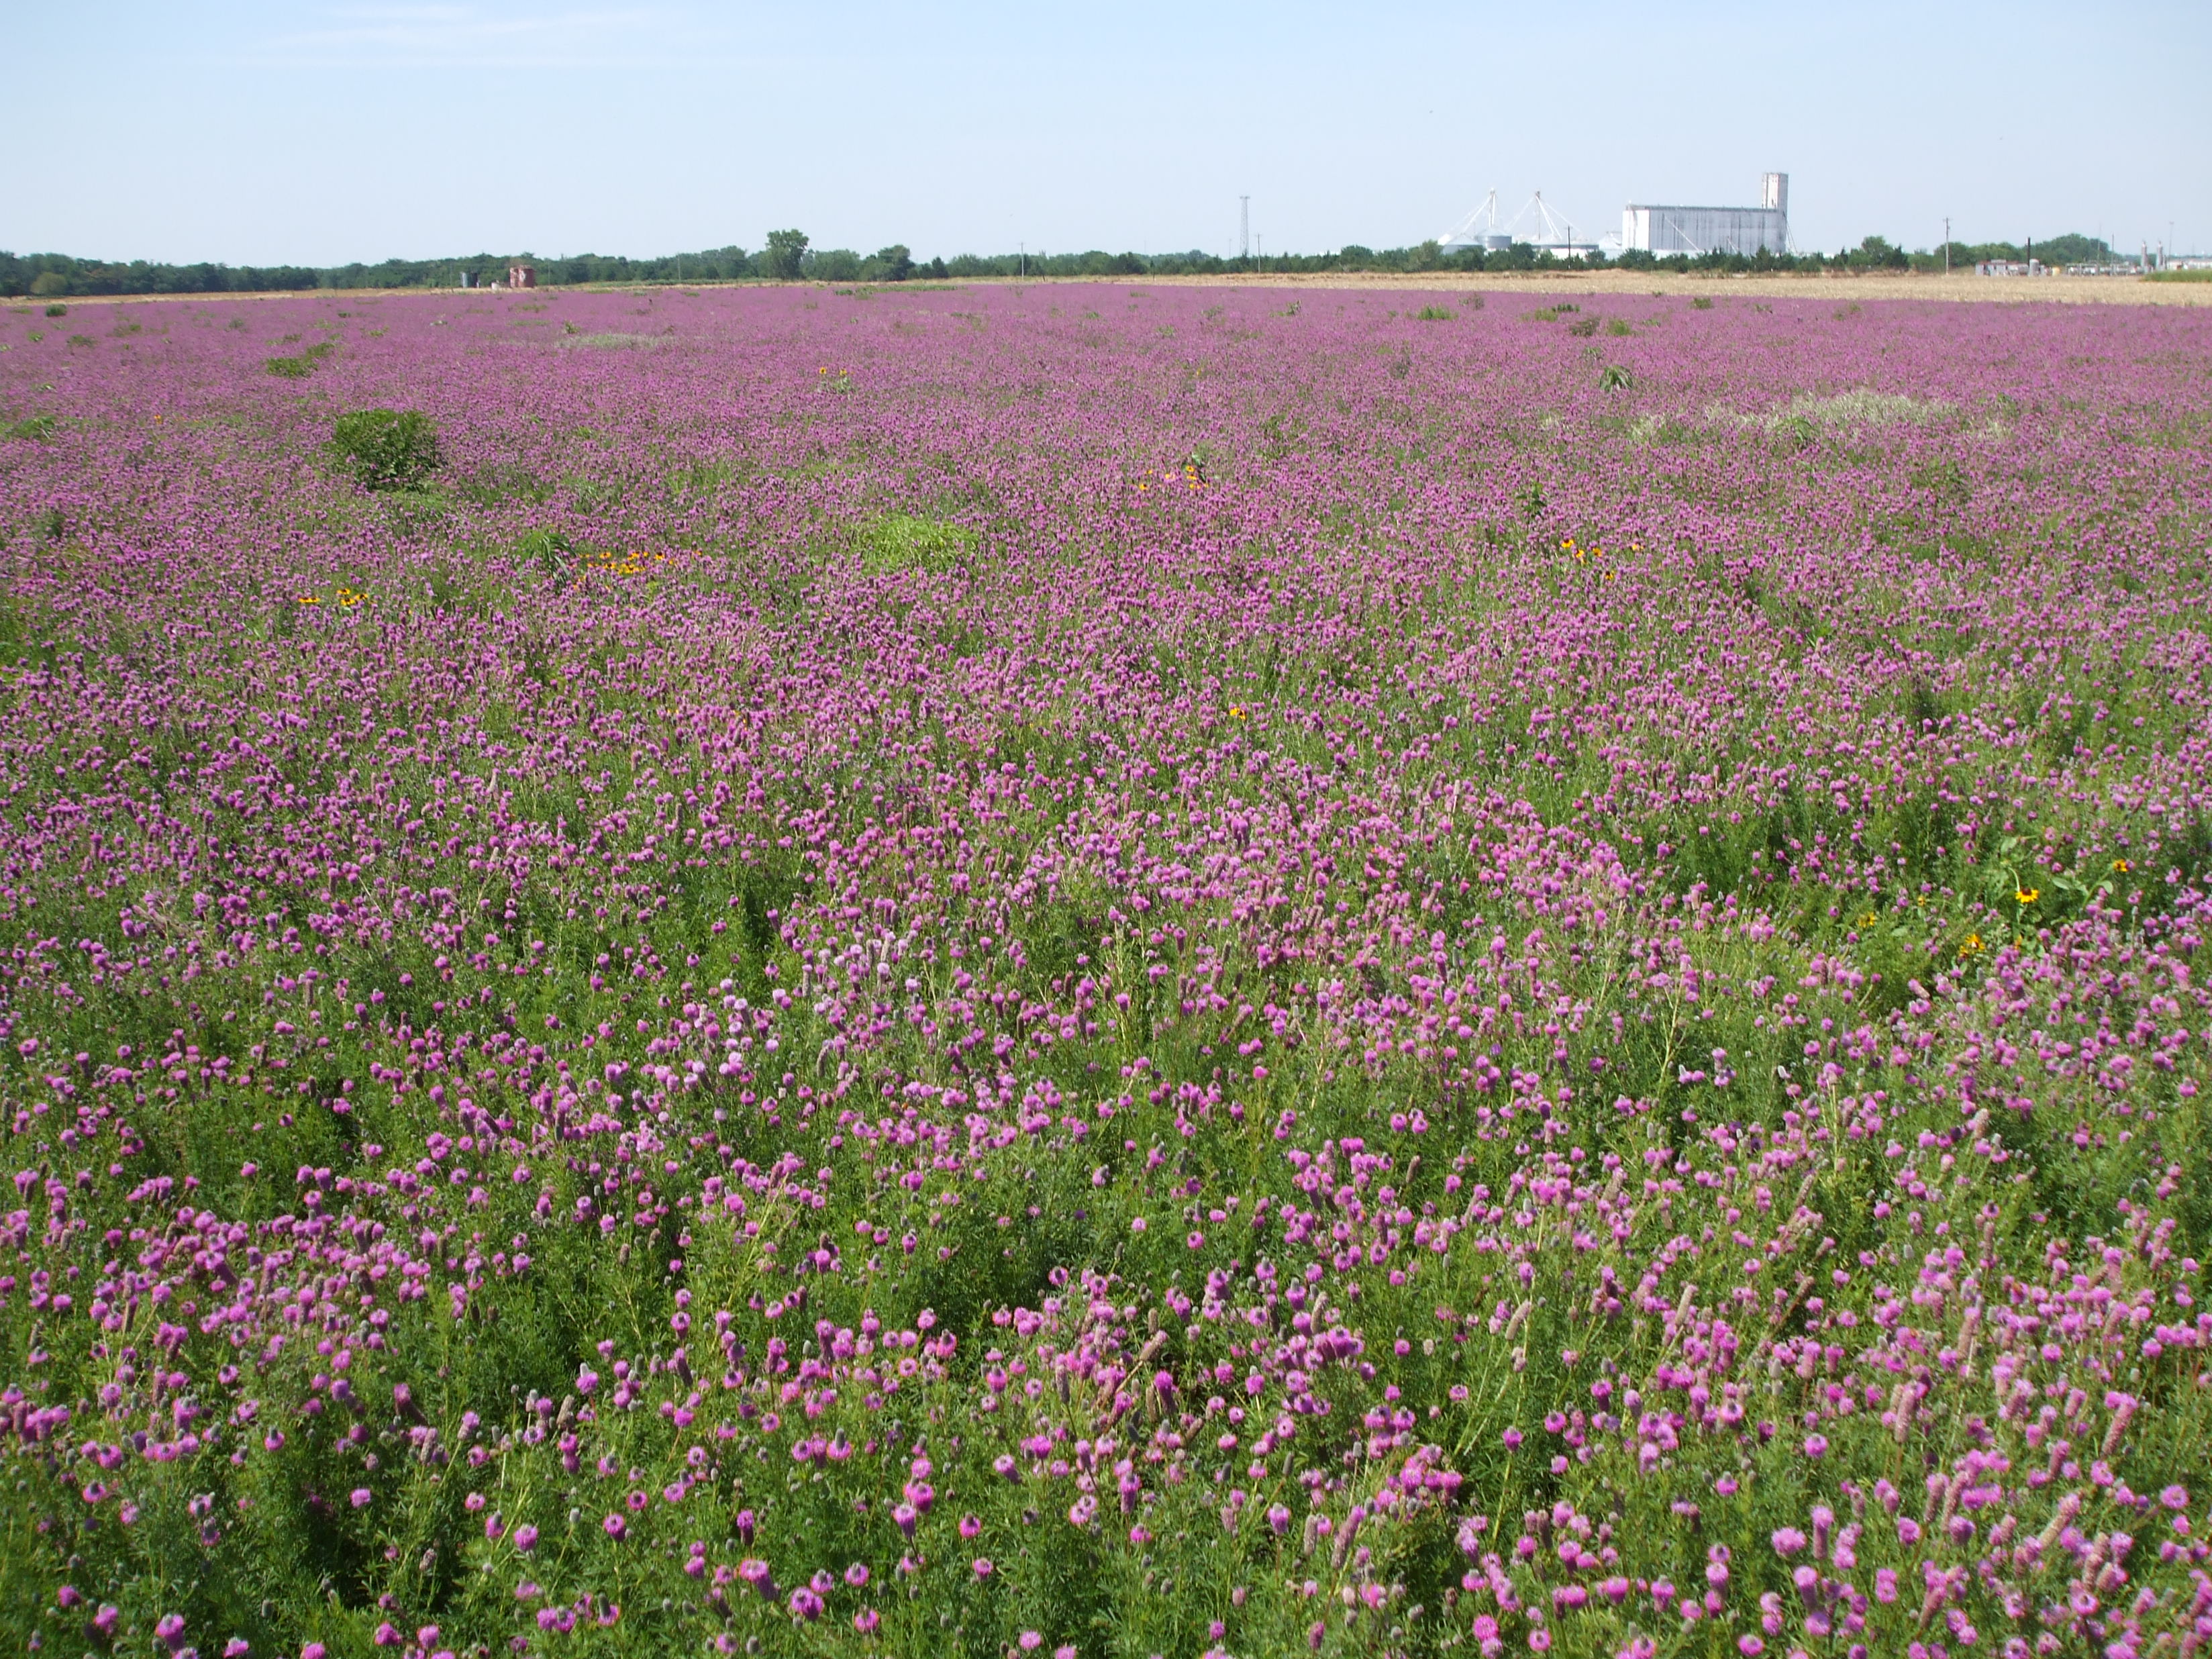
(903, 542)
(386, 448)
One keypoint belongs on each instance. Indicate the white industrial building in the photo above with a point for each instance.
(1693, 230)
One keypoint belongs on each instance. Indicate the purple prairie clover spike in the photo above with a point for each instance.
(615, 1528)
(170, 1629)
(857, 1575)
(805, 1604)
(1787, 1541)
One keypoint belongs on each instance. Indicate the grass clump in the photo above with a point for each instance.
(386, 448)
(36, 428)
(1434, 315)
(903, 542)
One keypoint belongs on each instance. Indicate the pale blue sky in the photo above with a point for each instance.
(322, 132)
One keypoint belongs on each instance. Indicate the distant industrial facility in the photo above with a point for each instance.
(1537, 224)
(1647, 230)
(1693, 230)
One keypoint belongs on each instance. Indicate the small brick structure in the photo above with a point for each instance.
(522, 275)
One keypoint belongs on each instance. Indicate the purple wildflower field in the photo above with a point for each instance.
(1105, 971)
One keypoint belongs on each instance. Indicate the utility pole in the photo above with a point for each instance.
(1243, 228)
(1947, 244)
(1022, 256)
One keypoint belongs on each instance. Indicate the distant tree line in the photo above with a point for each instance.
(789, 255)
(2069, 250)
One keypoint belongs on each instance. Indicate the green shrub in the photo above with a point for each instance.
(1701, 303)
(1583, 327)
(386, 448)
(291, 368)
(1616, 377)
(548, 550)
(56, 311)
(1619, 327)
(903, 542)
(36, 428)
(1434, 315)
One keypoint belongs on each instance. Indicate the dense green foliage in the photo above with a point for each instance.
(385, 448)
(789, 256)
